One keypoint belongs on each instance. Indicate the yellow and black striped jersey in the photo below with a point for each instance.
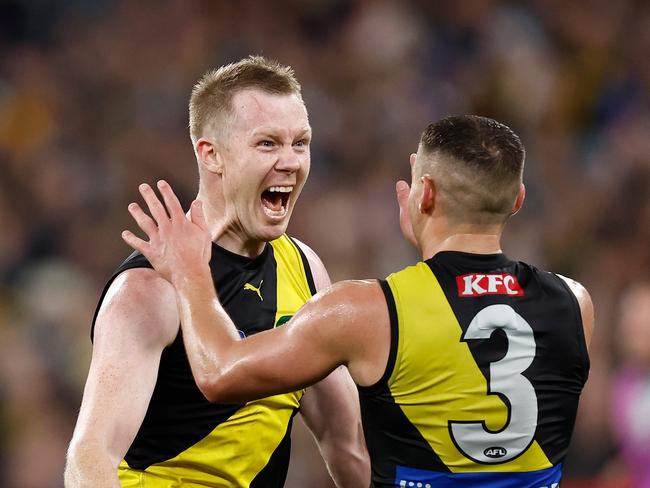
(185, 440)
(487, 362)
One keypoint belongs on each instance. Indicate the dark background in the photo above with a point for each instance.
(93, 99)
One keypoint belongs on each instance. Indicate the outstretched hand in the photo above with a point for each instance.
(178, 244)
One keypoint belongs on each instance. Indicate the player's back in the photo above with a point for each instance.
(487, 362)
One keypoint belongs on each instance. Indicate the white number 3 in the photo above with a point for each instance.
(473, 438)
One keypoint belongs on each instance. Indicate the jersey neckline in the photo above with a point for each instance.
(219, 252)
(488, 261)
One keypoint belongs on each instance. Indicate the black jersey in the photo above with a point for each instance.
(185, 440)
(487, 362)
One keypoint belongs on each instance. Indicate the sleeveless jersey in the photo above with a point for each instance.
(486, 365)
(185, 440)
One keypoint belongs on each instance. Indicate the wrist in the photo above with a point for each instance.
(191, 277)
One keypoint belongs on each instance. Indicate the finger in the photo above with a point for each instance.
(413, 159)
(403, 191)
(136, 243)
(171, 200)
(156, 208)
(197, 216)
(145, 222)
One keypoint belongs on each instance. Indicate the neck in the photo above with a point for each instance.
(225, 231)
(476, 243)
(232, 241)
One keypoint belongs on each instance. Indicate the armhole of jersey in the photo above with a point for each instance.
(305, 264)
(124, 267)
(394, 339)
(582, 340)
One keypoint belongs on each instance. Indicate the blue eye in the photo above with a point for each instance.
(267, 143)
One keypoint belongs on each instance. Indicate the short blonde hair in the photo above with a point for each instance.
(212, 95)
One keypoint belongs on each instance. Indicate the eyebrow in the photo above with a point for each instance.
(273, 132)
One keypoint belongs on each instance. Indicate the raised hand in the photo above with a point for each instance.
(178, 244)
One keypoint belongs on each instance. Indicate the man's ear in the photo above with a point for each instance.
(413, 159)
(208, 156)
(520, 200)
(428, 199)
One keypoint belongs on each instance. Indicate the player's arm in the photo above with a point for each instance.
(330, 409)
(324, 334)
(336, 327)
(586, 306)
(137, 319)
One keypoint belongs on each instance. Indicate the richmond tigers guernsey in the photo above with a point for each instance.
(184, 440)
(487, 362)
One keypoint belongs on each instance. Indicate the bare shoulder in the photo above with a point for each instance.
(586, 305)
(356, 324)
(345, 309)
(137, 319)
(355, 296)
(309, 252)
(580, 292)
(140, 304)
(318, 270)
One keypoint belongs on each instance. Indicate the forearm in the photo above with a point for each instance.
(208, 331)
(88, 464)
(331, 411)
(347, 463)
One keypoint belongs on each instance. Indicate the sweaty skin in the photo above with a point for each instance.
(262, 151)
(348, 324)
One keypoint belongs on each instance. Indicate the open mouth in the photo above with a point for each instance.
(275, 200)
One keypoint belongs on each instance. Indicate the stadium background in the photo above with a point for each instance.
(93, 101)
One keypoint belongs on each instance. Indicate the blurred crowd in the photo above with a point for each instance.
(93, 101)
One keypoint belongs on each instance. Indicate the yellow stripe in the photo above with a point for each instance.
(223, 458)
(436, 380)
(293, 289)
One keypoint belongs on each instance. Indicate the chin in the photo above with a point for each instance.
(270, 227)
(270, 232)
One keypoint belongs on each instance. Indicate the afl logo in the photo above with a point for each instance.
(495, 452)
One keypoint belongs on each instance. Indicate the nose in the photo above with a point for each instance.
(288, 161)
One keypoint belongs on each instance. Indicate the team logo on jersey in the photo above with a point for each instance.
(283, 320)
(495, 452)
(476, 284)
(256, 289)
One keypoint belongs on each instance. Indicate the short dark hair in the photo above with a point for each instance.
(479, 165)
(212, 95)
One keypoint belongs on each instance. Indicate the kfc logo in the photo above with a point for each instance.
(475, 284)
